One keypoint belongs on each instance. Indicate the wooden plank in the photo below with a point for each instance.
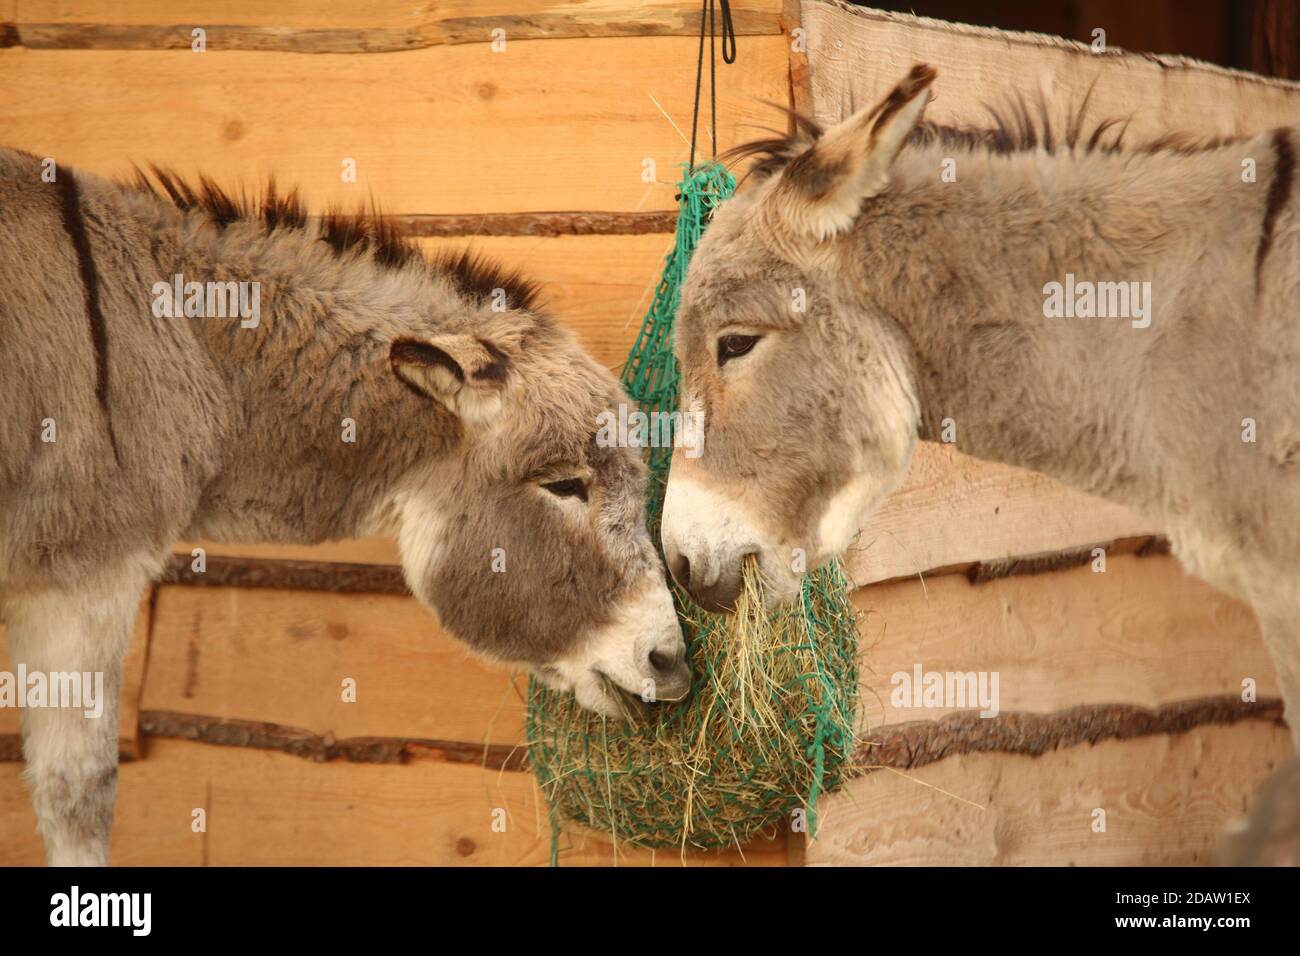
(857, 55)
(956, 510)
(1143, 633)
(797, 40)
(441, 130)
(280, 657)
(364, 550)
(371, 26)
(270, 809)
(133, 669)
(1167, 800)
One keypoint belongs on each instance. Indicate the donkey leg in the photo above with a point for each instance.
(1280, 627)
(71, 757)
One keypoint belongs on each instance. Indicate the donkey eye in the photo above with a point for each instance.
(734, 346)
(568, 488)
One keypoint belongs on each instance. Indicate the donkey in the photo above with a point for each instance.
(932, 303)
(375, 392)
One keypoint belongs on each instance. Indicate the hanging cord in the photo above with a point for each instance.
(728, 56)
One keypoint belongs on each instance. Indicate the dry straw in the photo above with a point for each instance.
(767, 727)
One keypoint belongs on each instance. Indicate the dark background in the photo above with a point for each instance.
(1258, 35)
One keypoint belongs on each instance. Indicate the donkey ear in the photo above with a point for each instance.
(822, 190)
(464, 373)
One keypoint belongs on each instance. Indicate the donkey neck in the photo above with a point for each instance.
(962, 267)
(320, 437)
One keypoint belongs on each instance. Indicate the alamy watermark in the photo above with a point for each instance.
(948, 690)
(1083, 299)
(133, 911)
(83, 690)
(637, 429)
(208, 300)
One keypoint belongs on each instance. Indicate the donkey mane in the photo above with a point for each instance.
(364, 231)
(1015, 128)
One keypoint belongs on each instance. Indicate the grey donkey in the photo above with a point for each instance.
(177, 363)
(855, 299)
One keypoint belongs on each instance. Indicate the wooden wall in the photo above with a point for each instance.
(1120, 689)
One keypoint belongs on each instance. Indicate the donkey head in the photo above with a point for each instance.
(806, 391)
(524, 535)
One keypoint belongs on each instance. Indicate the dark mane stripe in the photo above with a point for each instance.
(1279, 190)
(364, 232)
(75, 226)
(478, 278)
(1015, 128)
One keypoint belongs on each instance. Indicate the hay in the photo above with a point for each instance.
(768, 726)
(769, 723)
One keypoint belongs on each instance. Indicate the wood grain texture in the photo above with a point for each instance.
(559, 125)
(796, 38)
(857, 55)
(382, 551)
(956, 510)
(1142, 633)
(280, 657)
(133, 672)
(269, 809)
(367, 27)
(1166, 799)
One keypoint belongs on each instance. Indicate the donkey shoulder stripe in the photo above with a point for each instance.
(76, 229)
(1279, 191)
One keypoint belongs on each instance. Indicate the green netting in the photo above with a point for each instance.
(769, 723)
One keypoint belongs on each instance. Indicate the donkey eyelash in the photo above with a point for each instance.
(567, 488)
(734, 346)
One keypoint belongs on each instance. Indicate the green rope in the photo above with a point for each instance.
(745, 775)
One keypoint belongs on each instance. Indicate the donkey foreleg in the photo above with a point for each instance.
(1280, 628)
(71, 751)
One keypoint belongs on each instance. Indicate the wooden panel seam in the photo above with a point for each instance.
(901, 746)
(308, 40)
(262, 735)
(346, 577)
(917, 743)
(337, 576)
(542, 224)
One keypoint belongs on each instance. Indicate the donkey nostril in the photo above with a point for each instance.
(681, 568)
(662, 662)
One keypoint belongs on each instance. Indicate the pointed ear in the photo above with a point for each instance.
(464, 373)
(822, 190)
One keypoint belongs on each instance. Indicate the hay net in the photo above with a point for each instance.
(769, 722)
